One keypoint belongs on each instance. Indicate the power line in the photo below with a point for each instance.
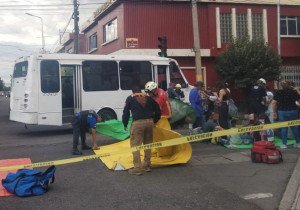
(44, 9)
(63, 32)
(47, 5)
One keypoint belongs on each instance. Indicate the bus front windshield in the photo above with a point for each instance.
(20, 69)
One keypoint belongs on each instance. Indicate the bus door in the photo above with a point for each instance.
(67, 90)
(49, 101)
(162, 78)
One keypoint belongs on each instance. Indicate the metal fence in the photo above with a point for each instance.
(291, 73)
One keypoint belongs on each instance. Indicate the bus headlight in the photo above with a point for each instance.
(25, 106)
(25, 100)
(26, 95)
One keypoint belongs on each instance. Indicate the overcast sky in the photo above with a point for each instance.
(21, 34)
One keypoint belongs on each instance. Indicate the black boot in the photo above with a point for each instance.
(75, 151)
(85, 147)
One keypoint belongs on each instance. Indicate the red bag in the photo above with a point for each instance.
(265, 152)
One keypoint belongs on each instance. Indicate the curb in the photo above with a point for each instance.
(291, 195)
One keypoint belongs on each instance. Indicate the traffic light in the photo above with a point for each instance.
(162, 46)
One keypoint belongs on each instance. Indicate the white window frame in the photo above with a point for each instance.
(110, 31)
(287, 18)
(93, 42)
(249, 26)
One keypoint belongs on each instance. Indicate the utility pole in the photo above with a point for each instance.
(278, 29)
(76, 28)
(196, 36)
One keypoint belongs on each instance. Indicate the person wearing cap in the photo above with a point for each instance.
(161, 97)
(145, 112)
(257, 99)
(195, 99)
(83, 121)
(172, 92)
(179, 92)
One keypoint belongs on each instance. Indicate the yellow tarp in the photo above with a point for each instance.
(178, 154)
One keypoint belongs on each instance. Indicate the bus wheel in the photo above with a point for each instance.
(107, 114)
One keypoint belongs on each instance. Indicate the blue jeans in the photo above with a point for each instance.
(286, 116)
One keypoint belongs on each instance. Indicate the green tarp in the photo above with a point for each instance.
(114, 128)
(181, 110)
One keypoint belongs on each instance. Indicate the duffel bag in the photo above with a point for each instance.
(265, 152)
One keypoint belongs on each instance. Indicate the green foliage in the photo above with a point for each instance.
(245, 61)
(1, 85)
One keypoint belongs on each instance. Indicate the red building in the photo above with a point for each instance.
(132, 27)
(67, 44)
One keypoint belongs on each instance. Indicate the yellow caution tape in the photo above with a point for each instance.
(170, 142)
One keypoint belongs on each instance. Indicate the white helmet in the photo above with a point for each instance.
(262, 80)
(150, 86)
(178, 85)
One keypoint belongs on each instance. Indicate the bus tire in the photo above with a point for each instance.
(107, 114)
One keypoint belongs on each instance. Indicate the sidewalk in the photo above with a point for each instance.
(291, 196)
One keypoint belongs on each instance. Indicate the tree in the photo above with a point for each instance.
(1, 84)
(245, 61)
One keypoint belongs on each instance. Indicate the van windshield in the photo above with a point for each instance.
(20, 69)
(175, 75)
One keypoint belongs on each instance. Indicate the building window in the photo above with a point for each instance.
(257, 26)
(241, 25)
(225, 27)
(135, 73)
(290, 25)
(110, 31)
(100, 75)
(93, 42)
(291, 73)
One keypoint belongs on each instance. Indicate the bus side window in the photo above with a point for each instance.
(50, 76)
(135, 72)
(100, 76)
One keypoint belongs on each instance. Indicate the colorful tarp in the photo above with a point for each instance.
(181, 110)
(178, 154)
(114, 128)
(3, 174)
(277, 142)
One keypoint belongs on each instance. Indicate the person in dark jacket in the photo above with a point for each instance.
(284, 109)
(172, 91)
(179, 91)
(83, 121)
(257, 100)
(145, 112)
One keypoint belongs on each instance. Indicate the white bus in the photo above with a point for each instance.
(47, 89)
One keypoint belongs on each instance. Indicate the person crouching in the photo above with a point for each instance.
(82, 122)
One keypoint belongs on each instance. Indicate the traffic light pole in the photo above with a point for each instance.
(162, 45)
(196, 36)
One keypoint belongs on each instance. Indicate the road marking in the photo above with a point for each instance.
(257, 196)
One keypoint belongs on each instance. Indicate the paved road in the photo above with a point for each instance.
(215, 178)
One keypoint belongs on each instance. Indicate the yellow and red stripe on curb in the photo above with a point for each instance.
(170, 142)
